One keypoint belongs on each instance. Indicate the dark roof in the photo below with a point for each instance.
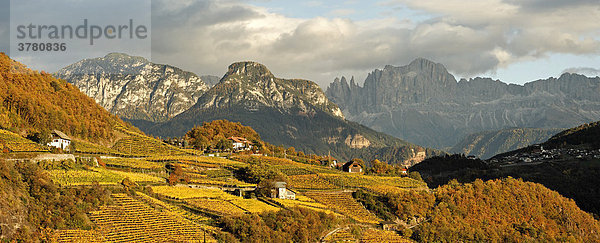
(350, 163)
(239, 140)
(61, 135)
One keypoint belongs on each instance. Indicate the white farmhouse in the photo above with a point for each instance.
(59, 140)
(281, 192)
(240, 143)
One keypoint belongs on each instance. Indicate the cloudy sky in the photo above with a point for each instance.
(512, 40)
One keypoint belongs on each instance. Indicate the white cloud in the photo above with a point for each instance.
(468, 37)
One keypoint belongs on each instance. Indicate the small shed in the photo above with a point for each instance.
(59, 140)
(280, 191)
(352, 167)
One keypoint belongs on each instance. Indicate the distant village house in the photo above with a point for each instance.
(280, 191)
(59, 140)
(352, 167)
(240, 143)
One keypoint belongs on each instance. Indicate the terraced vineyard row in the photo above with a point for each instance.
(311, 181)
(145, 146)
(344, 203)
(100, 175)
(15, 143)
(378, 236)
(220, 182)
(91, 236)
(369, 235)
(216, 206)
(130, 220)
(267, 159)
(84, 147)
(291, 170)
(134, 163)
(201, 161)
(343, 235)
(183, 192)
(349, 180)
(304, 204)
(207, 199)
(196, 218)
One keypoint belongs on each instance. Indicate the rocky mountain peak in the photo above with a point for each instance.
(122, 57)
(424, 64)
(252, 85)
(135, 88)
(249, 68)
(408, 101)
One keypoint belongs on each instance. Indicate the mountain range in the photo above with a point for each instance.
(165, 101)
(424, 104)
(290, 112)
(134, 88)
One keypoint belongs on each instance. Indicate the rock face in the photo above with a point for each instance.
(357, 141)
(251, 85)
(487, 144)
(424, 104)
(289, 112)
(134, 88)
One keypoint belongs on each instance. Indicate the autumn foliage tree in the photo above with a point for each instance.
(504, 210)
(212, 134)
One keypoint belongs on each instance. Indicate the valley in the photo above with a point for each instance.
(269, 160)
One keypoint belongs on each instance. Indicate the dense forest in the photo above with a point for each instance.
(33, 102)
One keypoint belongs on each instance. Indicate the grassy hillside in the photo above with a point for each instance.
(487, 144)
(587, 135)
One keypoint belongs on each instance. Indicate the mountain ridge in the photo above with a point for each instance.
(135, 88)
(490, 143)
(424, 104)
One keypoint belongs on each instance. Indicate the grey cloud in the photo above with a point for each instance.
(548, 5)
(199, 13)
